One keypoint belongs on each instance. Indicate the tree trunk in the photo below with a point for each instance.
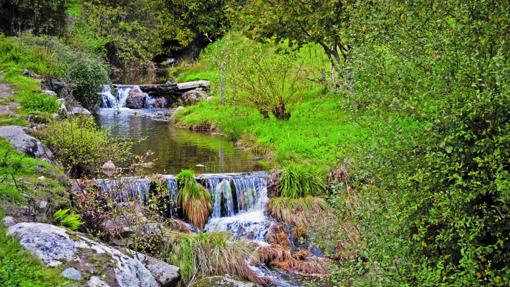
(280, 112)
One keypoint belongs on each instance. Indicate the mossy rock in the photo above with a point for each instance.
(223, 281)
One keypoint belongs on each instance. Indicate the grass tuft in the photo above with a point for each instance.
(300, 181)
(194, 200)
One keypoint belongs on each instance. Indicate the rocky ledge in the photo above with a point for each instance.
(92, 263)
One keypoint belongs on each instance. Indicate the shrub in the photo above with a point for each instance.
(86, 75)
(82, 148)
(67, 218)
(194, 200)
(212, 253)
(302, 180)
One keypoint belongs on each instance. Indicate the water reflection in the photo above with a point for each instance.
(175, 149)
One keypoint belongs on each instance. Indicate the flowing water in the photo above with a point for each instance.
(239, 195)
(174, 148)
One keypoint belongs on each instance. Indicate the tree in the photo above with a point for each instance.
(325, 22)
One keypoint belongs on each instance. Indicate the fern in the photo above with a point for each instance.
(67, 218)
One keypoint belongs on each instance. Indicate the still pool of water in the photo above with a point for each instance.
(174, 148)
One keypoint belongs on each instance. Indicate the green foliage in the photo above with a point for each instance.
(82, 148)
(67, 218)
(86, 76)
(20, 268)
(18, 175)
(302, 180)
(48, 56)
(38, 16)
(324, 22)
(193, 199)
(210, 253)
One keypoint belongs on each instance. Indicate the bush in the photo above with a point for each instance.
(86, 75)
(193, 199)
(82, 148)
(67, 218)
(302, 180)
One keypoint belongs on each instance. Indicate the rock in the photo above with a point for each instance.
(80, 111)
(223, 281)
(95, 281)
(57, 246)
(58, 86)
(24, 142)
(167, 275)
(43, 204)
(72, 273)
(193, 85)
(193, 97)
(136, 100)
(49, 93)
(160, 102)
(8, 221)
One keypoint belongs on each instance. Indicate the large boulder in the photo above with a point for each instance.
(136, 100)
(24, 142)
(56, 246)
(194, 96)
(167, 275)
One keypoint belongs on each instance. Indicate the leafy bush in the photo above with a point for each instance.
(67, 218)
(211, 253)
(302, 180)
(86, 75)
(82, 148)
(193, 199)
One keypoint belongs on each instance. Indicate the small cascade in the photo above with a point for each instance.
(118, 98)
(127, 188)
(172, 194)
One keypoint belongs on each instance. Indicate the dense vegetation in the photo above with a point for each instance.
(403, 103)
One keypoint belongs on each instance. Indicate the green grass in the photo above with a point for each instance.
(20, 268)
(194, 200)
(323, 128)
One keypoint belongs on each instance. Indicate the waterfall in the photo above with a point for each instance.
(119, 97)
(239, 200)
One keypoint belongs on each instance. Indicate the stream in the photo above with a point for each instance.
(233, 177)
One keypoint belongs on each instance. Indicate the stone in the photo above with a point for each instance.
(8, 221)
(194, 96)
(136, 100)
(72, 273)
(43, 204)
(80, 111)
(49, 93)
(24, 142)
(193, 85)
(221, 281)
(167, 275)
(56, 246)
(160, 103)
(95, 281)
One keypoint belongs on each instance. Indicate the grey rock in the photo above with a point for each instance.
(56, 246)
(95, 281)
(194, 96)
(72, 273)
(8, 221)
(43, 204)
(24, 142)
(167, 275)
(49, 93)
(193, 85)
(80, 111)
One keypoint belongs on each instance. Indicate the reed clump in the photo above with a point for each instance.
(298, 212)
(194, 200)
(212, 253)
(302, 180)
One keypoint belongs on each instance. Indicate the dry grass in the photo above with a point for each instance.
(298, 212)
(298, 262)
(212, 253)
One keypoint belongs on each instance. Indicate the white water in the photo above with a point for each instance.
(118, 98)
